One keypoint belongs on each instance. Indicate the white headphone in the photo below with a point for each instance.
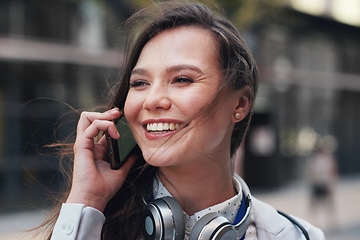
(163, 220)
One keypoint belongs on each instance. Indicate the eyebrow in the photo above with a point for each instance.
(171, 69)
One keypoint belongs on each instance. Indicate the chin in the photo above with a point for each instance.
(157, 159)
(161, 157)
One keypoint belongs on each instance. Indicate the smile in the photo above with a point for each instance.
(162, 127)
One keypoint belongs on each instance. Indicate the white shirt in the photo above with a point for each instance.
(77, 222)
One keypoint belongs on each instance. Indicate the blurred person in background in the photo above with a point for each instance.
(187, 91)
(323, 173)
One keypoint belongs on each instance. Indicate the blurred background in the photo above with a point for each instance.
(61, 55)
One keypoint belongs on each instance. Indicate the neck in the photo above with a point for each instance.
(199, 187)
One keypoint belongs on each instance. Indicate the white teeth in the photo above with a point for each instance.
(162, 127)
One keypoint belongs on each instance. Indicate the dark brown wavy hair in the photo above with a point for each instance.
(123, 212)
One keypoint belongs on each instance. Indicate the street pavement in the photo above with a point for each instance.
(340, 223)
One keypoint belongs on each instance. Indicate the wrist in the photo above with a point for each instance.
(89, 200)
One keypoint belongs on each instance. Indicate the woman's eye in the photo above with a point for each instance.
(138, 83)
(183, 80)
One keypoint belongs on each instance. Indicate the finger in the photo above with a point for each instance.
(101, 147)
(100, 151)
(85, 141)
(101, 125)
(86, 118)
(125, 168)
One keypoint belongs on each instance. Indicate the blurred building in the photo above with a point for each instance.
(54, 55)
(309, 93)
(61, 54)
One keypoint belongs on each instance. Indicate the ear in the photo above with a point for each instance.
(244, 102)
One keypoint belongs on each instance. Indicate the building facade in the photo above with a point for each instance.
(308, 97)
(56, 58)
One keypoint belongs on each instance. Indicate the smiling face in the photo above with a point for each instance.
(176, 76)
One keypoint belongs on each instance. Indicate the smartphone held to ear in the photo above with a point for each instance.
(120, 149)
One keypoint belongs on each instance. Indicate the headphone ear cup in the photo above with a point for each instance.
(163, 219)
(177, 222)
(213, 226)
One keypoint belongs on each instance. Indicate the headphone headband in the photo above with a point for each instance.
(164, 220)
(242, 222)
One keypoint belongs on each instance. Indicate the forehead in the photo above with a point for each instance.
(187, 42)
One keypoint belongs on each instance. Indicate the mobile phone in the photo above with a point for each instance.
(120, 149)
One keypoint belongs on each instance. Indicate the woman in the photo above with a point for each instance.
(187, 92)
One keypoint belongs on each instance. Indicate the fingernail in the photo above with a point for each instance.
(114, 110)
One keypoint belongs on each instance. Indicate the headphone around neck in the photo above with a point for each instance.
(163, 220)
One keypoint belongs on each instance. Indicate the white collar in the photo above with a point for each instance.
(228, 208)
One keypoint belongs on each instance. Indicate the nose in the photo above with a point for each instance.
(157, 98)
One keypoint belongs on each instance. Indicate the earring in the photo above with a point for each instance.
(237, 116)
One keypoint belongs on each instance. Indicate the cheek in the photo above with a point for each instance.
(132, 106)
(132, 109)
(127, 108)
(191, 102)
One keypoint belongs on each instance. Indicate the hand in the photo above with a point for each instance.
(94, 182)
